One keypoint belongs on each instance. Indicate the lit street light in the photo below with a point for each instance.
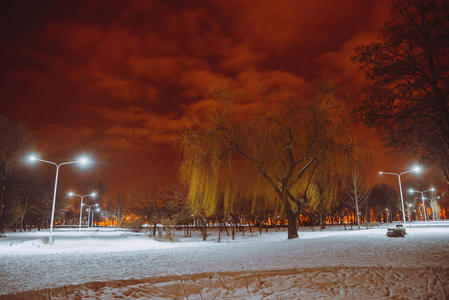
(93, 211)
(82, 161)
(416, 169)
(93, 194)
(422, 198)
(88, 213)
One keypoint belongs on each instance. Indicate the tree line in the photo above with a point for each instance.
(272, 157)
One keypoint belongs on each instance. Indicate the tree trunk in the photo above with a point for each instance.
(292, 226)
(21, 222)
(226, 228)
(204, 231)
(1, 202)
(322, 225)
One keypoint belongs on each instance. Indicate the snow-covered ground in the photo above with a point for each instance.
(110, 263)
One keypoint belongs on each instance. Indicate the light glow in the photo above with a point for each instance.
(83, 160)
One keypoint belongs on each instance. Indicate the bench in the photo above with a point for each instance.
(398, 231)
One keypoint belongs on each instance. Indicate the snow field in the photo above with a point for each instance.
(329, 264)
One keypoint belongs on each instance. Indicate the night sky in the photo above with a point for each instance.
(117, 79)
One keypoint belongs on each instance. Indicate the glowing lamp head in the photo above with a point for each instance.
(32, 158)
(96, 204)
(417, 169)
(432, 189)
(70, 194)
(83, 160)
(93, 194)
(380, 173)
(411, 191)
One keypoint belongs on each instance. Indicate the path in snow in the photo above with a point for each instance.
(318, 283)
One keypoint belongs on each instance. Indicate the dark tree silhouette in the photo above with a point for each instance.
(15, 140)
(407, 72)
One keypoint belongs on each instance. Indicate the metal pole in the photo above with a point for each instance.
(81, 210)
(56, 187)
(402, 200)
(424, 207)
(54, 202)
(88, 217)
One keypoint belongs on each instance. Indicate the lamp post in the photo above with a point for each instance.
(93, 211)
(422, 198)
(93, 194)
(82, 161)
(88, 213)
(416, 170)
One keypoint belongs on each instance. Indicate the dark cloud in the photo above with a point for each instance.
(119, 78)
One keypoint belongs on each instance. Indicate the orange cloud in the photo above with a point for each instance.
(121, 78)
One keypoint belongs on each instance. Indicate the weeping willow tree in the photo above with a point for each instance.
(324, 187)
(259, 148)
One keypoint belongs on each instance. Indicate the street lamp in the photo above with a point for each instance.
(81, 160)
(93, 211)
(422, 198)
(88, 213)
(415, 169)
(93, 194)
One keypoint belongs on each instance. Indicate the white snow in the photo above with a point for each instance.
(104, 263)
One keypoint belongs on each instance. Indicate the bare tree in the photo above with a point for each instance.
(279, 145)
(407, 71)
(27, 190)
(118, 207)
(357, 190)
(323, 191)
(147, 201)
(15, 140)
